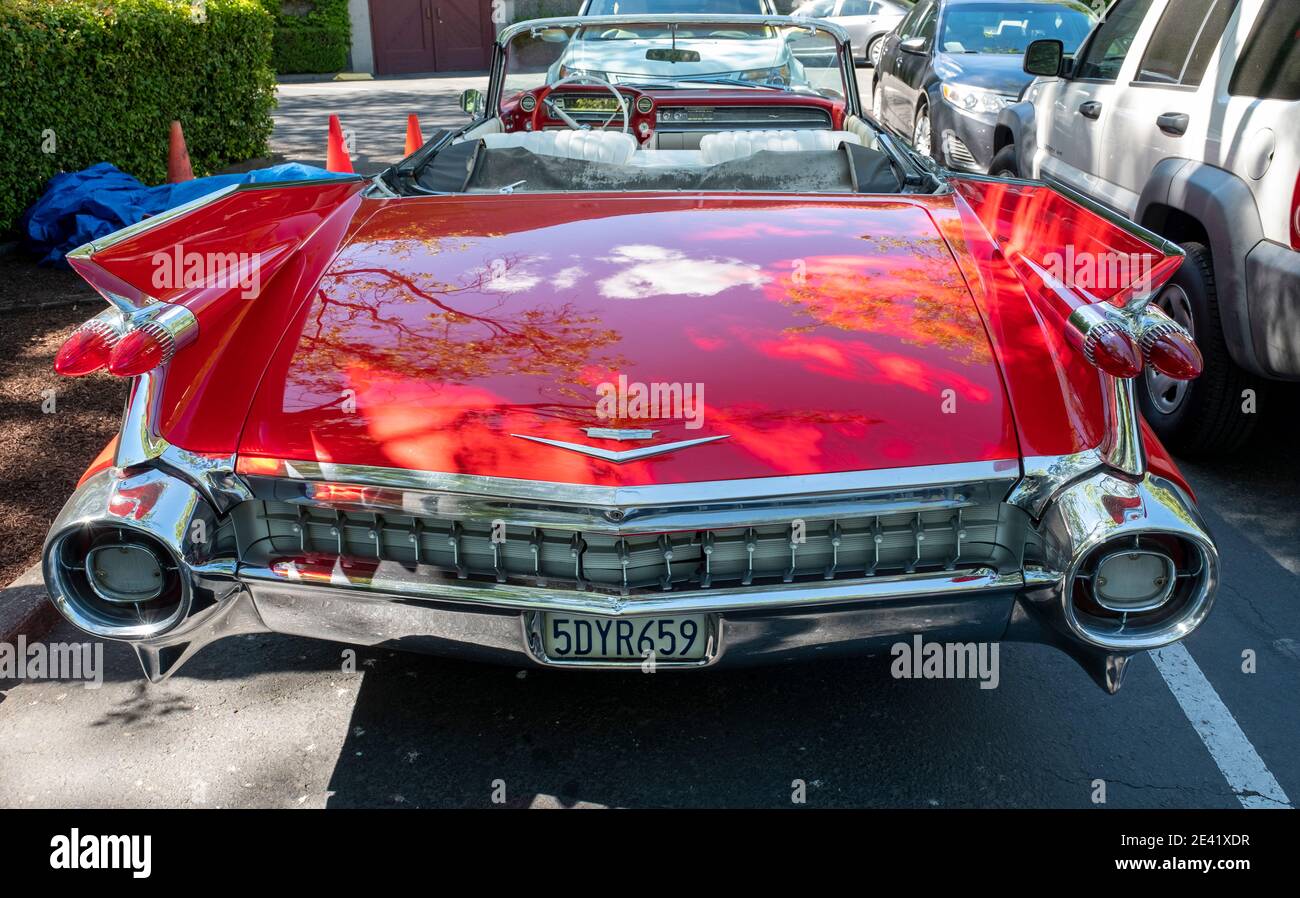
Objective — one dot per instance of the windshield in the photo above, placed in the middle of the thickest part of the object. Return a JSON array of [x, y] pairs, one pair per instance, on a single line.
[[685, 55], [654, 7], [1010, 27]]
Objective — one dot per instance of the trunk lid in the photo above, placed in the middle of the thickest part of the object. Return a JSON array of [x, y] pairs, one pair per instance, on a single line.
[[821, 335]]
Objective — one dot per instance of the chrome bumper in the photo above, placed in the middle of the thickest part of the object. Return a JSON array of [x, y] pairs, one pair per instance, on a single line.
[[498, 622]]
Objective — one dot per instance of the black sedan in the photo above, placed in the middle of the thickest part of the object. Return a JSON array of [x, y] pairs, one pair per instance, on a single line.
[[948, 69]]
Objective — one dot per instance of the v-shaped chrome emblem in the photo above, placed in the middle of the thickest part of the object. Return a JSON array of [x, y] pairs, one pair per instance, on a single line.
[[626, 455]]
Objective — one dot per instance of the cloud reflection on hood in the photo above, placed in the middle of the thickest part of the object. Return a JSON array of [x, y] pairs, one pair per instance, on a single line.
[[659, 271]]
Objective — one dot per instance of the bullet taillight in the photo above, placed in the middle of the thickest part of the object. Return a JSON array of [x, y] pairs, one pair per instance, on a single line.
[[1101, 335], [143, 349], [87, 350], [1113, 350], [1167, 346]]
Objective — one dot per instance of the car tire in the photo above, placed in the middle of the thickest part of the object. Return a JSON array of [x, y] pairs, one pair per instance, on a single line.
[[1005, 163], [874, 49], [923, 132], [1205, 417]]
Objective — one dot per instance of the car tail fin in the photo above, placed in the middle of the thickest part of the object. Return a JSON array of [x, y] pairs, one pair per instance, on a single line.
[[160, 275], [1097, 270]]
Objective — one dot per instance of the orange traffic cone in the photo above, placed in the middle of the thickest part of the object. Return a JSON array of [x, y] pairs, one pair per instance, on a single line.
[[178, 158], [414, 139], [336, 153]]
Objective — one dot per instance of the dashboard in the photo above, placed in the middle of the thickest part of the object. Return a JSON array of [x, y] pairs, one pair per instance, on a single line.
[[672, 119]]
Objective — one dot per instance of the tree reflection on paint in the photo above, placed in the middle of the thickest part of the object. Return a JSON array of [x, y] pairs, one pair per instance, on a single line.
[[419, 326], [906, 288]]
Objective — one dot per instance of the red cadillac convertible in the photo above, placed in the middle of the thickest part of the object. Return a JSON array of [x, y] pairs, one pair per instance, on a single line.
[[671, 357]]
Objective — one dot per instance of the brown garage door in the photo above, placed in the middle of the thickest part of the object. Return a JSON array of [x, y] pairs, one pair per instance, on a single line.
[[430, 35]]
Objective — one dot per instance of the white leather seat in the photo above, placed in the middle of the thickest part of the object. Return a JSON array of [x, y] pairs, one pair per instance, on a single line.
[[725, 146], [613, 147]]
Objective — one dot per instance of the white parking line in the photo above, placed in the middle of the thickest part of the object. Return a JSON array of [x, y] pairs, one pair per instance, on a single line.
[[1241, 765]]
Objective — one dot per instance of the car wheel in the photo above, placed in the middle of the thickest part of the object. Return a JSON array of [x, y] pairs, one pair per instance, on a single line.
[[1005, 164], [1202, 417], [923, 134], [874, 49]]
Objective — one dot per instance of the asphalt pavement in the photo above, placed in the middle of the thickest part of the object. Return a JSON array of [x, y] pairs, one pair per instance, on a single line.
[[273, 721]]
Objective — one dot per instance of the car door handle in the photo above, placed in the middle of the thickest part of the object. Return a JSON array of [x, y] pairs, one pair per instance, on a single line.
[[1091, 109], [1174, 123]]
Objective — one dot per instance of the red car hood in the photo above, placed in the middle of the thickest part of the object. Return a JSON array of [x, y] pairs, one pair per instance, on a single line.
[[832, 335]]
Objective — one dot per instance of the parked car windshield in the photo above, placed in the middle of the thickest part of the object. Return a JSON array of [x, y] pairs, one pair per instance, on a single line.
[[655, 7], [1010, 27], [672, 55]]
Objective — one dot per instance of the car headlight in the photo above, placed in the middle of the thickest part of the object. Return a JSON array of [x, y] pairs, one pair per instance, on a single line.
[[774, 75], [975, 99]]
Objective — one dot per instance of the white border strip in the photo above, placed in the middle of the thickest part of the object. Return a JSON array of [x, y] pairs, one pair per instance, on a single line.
[[1241, 765]]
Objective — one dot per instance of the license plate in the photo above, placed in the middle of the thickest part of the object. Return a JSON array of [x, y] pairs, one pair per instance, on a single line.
[[570, 637]]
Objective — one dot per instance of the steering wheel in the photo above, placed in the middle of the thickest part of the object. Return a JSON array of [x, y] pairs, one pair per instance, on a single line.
[[543, 102]]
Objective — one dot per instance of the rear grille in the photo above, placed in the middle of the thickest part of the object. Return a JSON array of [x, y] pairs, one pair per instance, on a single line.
[[497, 551]]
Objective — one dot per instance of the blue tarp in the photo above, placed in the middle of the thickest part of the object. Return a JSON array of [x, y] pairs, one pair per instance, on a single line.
[[78, 207]]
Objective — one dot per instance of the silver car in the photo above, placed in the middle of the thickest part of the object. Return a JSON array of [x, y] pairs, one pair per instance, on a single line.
[[866, 21]]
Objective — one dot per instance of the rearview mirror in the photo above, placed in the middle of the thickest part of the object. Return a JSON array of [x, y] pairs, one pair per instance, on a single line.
[[1044, 58], [673, 55], [917, 45], [472, 102]]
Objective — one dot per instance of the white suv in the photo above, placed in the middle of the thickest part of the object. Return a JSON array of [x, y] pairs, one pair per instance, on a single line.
[[1184, 115]]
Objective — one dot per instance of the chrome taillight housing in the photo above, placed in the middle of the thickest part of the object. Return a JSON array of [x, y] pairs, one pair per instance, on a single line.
[[127, 345]]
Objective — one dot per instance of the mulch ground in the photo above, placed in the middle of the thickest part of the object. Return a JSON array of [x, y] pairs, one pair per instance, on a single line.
[[42, 454]]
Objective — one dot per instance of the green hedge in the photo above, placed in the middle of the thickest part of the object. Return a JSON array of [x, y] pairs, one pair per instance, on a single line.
[[311, 36], [100, 81], [309, 50]]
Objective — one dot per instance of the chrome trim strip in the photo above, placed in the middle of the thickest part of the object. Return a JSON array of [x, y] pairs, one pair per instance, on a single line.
[[102, 243], [507, 34], [137, 443], [629, 520], [800, 486], [1046, 475], [1123, 447], [99, 244], [781, 597]]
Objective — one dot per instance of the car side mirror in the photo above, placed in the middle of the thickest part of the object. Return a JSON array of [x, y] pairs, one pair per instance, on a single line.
[[915, 45], [472, 102], [1045, 58]]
